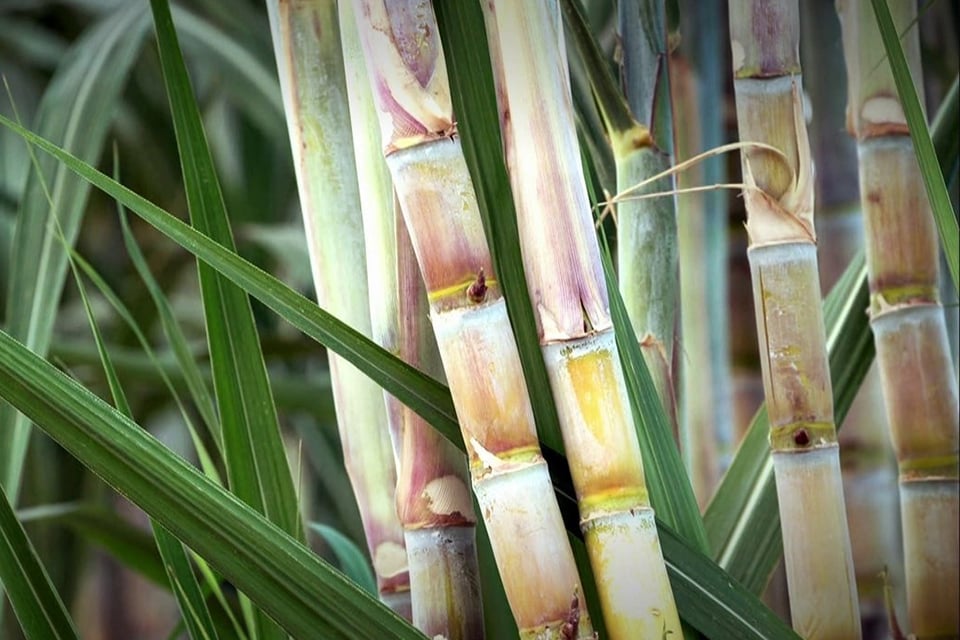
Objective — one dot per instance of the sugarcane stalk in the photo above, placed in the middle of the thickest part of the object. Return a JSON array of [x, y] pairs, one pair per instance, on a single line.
[[479, 355], [565, 280], [307, 46], [433, 495], [647, 255], [783, 264], [866, 459], [919, 387]]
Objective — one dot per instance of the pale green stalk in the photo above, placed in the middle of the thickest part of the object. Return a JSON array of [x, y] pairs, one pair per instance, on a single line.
[[647, 257], [309, 59], [565, 279], [783, 262], [433, 495], [480, 358], [642, 142], [913, 353]]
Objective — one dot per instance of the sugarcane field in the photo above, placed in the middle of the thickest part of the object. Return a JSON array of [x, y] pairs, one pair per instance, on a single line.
[[479, 319]]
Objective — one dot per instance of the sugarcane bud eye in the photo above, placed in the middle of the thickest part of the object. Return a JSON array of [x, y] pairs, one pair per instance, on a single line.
[[801, 437], [477, 291], [568, 631]]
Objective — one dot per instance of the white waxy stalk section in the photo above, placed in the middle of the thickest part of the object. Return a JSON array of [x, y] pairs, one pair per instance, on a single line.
[[307, 45], [813, 482], [779, 198]]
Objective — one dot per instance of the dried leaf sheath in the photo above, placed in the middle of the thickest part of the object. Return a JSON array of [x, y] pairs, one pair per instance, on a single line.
[[796, 380], [564, 276], [317, 116], [480, 358], [919, 384]]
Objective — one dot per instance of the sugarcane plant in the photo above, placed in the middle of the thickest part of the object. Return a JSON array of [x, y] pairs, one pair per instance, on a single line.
[[310, 62], [779, 197], [433, 494], [913, 353], [565, 280]]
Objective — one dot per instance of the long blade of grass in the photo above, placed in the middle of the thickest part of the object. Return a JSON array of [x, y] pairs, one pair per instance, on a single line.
[[296, 588], [257, 466], [76, 111], [670, 490], [293, 392], [922, 141], [710, 601], [35, 601], [256, 463], [188, 367]]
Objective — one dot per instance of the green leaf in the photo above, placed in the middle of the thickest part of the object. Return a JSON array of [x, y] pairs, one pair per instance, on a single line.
[[187, 365], [922, 142], [670, 492], [351, 559], [710, 601], [743, 520], [297, 589], [76, 111], [35, 602], [182, 579], [256, 462]]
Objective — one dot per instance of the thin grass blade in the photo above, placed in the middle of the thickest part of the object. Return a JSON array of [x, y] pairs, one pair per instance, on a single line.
[[192, 375], [35, 601], [183, 582], [256, 463], [76, 111], [423, 394], [297, 589]]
